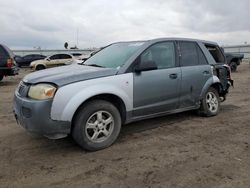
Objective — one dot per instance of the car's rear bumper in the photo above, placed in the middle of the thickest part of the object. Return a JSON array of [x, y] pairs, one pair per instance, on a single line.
[[6, 71], [34, 116]]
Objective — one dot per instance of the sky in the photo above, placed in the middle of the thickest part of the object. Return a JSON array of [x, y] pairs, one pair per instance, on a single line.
[[28, 24]]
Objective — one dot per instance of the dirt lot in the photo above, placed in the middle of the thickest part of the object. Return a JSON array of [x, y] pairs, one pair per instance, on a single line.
[[182, 150]]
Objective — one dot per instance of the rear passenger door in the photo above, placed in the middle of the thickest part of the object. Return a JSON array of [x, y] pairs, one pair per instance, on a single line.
[[157, 90], [65, 59], [195, 72], [54, 60]]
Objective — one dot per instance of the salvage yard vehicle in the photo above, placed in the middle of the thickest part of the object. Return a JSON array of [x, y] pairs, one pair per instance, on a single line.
[[52, 61], [123, 83], [27, 59], [7, 62], [234, 60]]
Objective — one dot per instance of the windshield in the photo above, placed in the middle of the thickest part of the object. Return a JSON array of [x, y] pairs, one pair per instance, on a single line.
[[115, 55]]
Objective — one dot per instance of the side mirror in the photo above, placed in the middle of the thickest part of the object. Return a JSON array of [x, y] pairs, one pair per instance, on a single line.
[[146, 66], [48, 59]]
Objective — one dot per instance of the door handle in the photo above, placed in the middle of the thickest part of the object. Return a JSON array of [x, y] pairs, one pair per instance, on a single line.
[[173, 76]]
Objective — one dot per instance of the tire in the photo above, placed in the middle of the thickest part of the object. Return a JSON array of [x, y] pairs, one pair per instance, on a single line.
[[1, 77], [233, 66], [40, 67], [210, 104], [90, 130]]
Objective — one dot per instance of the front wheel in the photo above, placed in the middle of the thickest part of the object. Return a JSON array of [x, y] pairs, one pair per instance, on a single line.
[[96, 125], [1, 77], [210, 104]]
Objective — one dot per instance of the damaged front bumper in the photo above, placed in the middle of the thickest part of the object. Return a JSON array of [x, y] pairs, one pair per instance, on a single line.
[[34, 116]]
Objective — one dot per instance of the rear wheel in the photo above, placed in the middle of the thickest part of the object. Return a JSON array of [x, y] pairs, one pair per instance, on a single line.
[[97, 125], [210, 104], [40, 67]]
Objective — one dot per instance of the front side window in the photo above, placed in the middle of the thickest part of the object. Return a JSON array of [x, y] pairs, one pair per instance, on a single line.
[[54, 57], [115, 55], [162, 54]]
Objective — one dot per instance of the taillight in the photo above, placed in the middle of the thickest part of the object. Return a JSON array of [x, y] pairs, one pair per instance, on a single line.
[[9, 62]]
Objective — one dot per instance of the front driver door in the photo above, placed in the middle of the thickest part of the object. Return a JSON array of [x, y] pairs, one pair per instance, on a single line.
[[157, 91]]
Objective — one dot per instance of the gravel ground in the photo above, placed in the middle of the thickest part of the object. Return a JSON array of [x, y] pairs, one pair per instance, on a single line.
[[181, 150]]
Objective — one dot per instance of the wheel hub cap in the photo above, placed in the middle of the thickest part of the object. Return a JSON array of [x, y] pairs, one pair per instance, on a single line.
[[99, 126], [212, 102]]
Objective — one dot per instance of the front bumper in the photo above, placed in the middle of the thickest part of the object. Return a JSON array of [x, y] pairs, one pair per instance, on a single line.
[[34, 116]]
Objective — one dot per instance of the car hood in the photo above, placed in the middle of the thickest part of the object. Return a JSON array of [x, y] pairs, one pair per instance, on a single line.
[[68, 74]]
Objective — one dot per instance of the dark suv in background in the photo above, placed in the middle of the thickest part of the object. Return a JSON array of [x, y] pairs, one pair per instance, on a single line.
[[7, 62], [27, 59]]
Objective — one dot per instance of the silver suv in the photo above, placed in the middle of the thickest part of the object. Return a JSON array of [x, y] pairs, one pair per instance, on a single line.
[[122, 83]]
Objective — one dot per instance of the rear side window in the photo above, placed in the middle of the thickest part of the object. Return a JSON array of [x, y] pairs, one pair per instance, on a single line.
[[163, 54], [189, 55], [216, 53]]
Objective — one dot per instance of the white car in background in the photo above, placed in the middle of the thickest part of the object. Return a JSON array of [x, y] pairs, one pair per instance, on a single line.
[[53, 61]]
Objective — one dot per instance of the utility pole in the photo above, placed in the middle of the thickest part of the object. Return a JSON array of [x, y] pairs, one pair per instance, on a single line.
[[77, 30]]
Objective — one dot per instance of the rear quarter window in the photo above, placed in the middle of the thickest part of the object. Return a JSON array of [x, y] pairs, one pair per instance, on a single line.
[[216, 53], [3, 55]]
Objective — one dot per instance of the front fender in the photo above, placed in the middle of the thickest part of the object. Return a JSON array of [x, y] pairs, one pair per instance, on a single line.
[[70, 97]]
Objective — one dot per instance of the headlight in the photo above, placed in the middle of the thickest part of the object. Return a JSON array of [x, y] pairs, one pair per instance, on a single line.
[[42, 91]]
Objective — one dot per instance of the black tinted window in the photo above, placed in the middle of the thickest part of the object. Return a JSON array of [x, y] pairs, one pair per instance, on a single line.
[[55, 57], [65, 56], [3, 52], [202, 58], [28, 57], [189, 56], [216, 53], [163, 54]]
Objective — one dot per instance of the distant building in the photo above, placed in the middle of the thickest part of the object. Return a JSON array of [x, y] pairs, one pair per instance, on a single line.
[[243, 49]]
